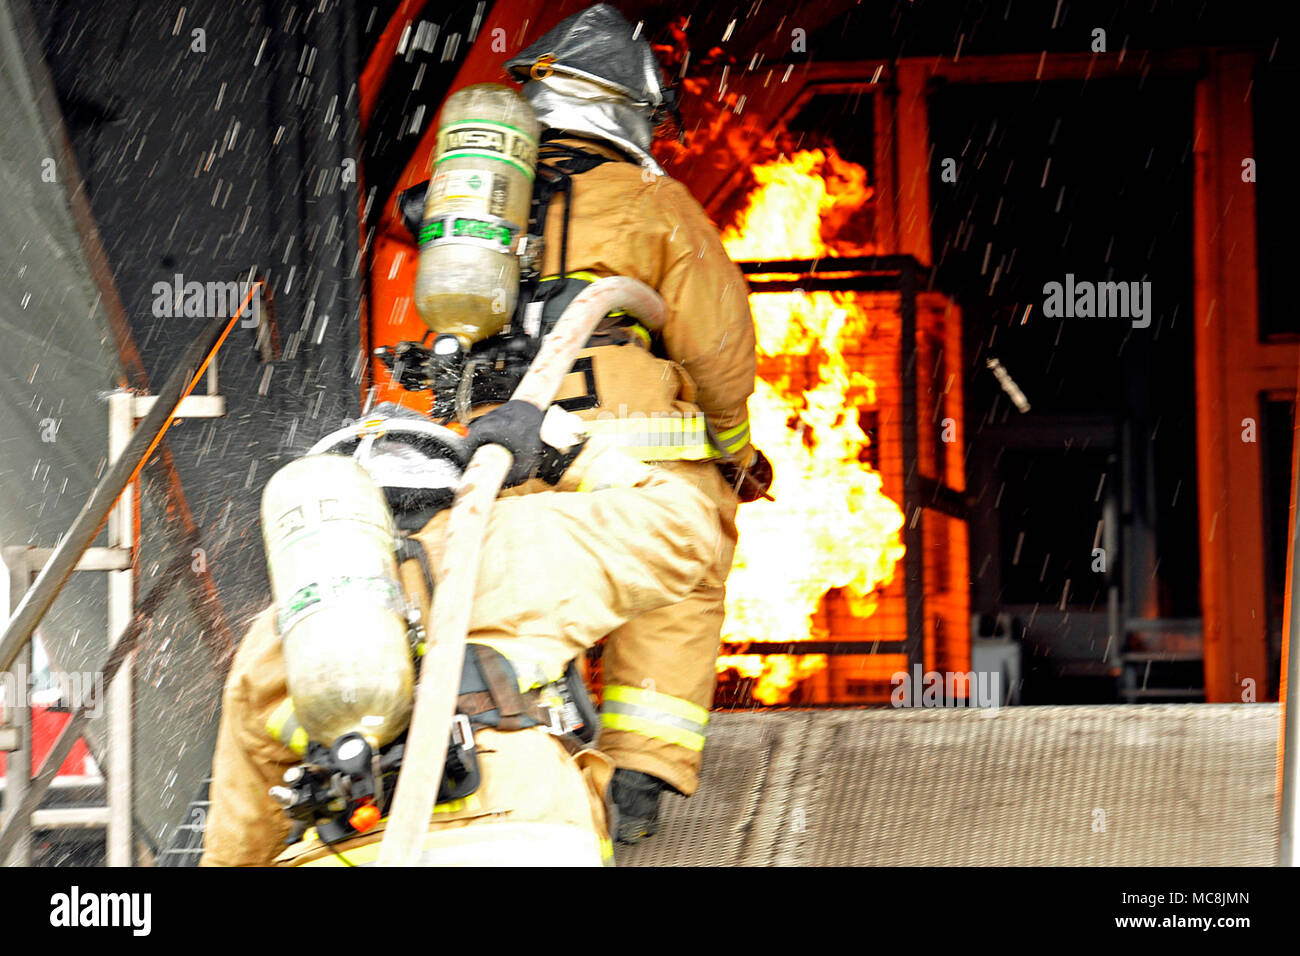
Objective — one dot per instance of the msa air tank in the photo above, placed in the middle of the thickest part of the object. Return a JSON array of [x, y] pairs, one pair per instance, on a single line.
[[484, 162], [339, 610]]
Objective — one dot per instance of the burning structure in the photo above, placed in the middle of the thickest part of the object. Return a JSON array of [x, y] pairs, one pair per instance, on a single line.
[[821, 563], [899, 183]]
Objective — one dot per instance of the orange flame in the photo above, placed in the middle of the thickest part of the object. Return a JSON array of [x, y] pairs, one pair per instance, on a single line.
[[830, 525]]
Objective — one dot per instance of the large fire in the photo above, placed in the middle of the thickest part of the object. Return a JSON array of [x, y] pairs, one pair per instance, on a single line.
[[830, 525]]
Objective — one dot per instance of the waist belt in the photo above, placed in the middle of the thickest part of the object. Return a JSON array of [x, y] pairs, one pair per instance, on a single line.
[[490, 697]]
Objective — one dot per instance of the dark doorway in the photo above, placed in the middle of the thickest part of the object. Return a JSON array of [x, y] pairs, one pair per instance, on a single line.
[[1091, 181]]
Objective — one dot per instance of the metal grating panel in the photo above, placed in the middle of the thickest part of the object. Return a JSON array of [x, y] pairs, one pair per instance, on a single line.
[[1118, 785]]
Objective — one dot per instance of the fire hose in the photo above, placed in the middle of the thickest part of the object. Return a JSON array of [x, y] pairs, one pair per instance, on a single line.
[[435, 695]]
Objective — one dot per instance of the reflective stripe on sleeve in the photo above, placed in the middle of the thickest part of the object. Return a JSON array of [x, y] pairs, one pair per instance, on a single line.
[[734, 439], [651, 714], [283, 727], [671, 437]]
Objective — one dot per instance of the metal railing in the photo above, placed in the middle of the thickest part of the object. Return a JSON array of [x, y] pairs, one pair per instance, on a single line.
[[128, 457]]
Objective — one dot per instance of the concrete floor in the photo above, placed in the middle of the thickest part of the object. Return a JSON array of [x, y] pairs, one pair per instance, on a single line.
[[1114, 785]]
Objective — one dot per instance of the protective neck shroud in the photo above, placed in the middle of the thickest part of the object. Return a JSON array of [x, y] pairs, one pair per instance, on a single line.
[[611, 119]]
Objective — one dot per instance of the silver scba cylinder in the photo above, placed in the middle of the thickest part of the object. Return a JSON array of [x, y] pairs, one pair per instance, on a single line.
[[467, 281], [330, 551]]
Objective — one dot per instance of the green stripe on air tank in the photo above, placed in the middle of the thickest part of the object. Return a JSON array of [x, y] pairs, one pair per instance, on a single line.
[[485, 154]]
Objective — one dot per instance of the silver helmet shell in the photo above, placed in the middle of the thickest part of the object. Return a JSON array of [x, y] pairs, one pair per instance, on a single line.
[[594, 79], [596, 44]]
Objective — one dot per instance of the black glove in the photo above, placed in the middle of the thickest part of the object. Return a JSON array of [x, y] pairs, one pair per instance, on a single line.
[[514, 426], [553, 463], [750, 483]]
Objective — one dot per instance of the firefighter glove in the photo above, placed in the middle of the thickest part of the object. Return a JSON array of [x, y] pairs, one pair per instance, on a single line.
[[518, 427], [749, 482], [515, 426]]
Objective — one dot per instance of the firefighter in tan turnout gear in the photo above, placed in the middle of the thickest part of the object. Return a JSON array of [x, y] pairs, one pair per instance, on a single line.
[[601, 206], [678, 398], [611, 539]]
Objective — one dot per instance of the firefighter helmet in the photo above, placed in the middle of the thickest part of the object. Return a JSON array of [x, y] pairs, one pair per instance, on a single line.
[[598, 45], [593, 77]]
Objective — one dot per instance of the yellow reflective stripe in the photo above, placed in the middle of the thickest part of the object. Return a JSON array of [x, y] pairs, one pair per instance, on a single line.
[[671, 452], [657, 437], [584, 276], [647, 728], [654, 700], [275, 723], [284, 728], [731, 433], [666, 423], [651, 714], [472, 802], [734, 439]]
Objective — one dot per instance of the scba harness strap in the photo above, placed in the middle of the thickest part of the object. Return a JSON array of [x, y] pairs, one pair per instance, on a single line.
[[491, 369], [338, 795], [556, 167], [490, 697], [488, 372]]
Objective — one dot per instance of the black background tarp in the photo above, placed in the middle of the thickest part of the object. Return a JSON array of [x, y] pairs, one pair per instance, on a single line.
[[212, 138]]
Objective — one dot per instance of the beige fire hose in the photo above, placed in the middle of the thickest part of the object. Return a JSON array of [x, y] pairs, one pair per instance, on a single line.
[[435, 697]]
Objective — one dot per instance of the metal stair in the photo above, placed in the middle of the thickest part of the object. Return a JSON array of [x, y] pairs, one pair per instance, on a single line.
[[1162, 661], [114, 816]]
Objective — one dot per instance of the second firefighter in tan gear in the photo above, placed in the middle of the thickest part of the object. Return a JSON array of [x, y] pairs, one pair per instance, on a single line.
[[676, 395], [680, 399], [658, 669], [559, 570]]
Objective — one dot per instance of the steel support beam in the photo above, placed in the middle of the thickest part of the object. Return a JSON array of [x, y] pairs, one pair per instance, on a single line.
[[121, 599], [913, 518]]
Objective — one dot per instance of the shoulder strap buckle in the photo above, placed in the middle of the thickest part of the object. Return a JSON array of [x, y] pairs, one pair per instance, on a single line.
[[462, 732]]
